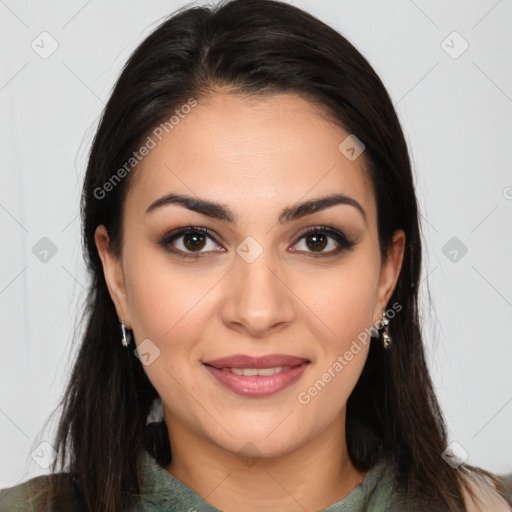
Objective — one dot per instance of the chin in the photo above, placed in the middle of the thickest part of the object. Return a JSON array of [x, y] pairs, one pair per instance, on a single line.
[[256, 446]]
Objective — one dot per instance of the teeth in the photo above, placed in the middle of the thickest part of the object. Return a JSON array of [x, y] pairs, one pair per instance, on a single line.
[[257, 371]]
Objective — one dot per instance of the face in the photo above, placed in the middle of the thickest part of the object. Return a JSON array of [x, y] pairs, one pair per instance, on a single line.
[[252, 275]]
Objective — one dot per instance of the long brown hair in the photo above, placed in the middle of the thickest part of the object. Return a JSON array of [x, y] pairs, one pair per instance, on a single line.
[[255, 47]]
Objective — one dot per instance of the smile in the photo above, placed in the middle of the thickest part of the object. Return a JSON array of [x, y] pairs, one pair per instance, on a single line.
[[256, 371], [258, 382]]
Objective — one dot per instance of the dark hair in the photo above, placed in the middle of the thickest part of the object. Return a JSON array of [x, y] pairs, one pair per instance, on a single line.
[[257, 47]]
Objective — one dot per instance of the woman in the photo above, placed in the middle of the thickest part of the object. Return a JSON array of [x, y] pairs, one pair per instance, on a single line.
[[252, 234]]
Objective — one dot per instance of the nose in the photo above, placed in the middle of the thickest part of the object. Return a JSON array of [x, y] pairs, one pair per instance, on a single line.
[[258, 300]]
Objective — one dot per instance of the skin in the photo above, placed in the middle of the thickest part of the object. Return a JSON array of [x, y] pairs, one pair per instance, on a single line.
[[256, 156]]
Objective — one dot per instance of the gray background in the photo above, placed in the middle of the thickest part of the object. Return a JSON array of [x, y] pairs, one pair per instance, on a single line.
[[456, 110]]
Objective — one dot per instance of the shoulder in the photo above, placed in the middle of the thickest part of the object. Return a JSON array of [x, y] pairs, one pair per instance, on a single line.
[[23, 496], [486, 499], [505, 486], [32, 495]]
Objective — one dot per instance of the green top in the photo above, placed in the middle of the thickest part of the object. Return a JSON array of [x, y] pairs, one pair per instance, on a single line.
[[165, 493], [161, 492]]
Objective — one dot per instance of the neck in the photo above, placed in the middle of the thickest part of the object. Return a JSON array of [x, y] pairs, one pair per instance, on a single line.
[[310, 477]]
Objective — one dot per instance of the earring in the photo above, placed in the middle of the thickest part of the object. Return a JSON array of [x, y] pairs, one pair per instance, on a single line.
[[386, 338], [124, 338]]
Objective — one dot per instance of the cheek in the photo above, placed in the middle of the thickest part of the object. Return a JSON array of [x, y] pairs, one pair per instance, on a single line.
[[170, 308], [343, 302], [345, 305], [324, 396], [162, 299]]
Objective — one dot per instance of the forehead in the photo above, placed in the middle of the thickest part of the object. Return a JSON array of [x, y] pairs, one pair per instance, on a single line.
[[251, 151]]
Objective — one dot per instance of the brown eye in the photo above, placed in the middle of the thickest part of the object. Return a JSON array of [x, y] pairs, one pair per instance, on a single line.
[[194, 241], [191, 241], [317, 242], [322, 241]]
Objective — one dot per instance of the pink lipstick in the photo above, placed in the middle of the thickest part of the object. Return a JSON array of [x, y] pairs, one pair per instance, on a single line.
[[257, 376]]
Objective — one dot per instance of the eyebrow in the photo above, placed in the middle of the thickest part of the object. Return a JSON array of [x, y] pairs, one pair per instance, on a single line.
[[224, 213]]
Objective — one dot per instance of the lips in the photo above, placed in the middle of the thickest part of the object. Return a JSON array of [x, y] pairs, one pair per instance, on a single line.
[[246, 361], [257, 377], [257, 386]]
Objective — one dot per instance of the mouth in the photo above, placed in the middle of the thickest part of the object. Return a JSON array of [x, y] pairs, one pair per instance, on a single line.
[[257, 376]]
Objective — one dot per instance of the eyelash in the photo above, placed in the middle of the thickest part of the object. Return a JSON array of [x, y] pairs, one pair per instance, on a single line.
[[343, 242]]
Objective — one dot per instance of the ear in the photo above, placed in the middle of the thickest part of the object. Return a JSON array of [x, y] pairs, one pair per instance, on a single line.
[[113, 271], [390, 270]]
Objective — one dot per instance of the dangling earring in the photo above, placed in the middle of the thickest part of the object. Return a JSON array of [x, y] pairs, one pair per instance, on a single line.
[[124, 338], [386, 338]]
